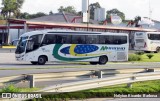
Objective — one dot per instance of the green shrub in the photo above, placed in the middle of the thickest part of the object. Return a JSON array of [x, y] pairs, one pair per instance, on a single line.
[[139, 53], [10, 89], [149, 56], [134, 57], [1, 17]]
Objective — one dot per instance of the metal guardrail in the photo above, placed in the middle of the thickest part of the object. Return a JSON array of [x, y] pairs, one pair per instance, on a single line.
[[121, 76], [32, 78], [12, 79], [90, 84]]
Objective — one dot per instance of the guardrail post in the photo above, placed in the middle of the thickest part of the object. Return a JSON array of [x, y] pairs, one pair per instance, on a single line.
[[129, 85], [99, 74], [31, 79]]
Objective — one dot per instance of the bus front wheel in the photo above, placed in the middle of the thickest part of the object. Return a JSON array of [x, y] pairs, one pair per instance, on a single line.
[[42, 60], [157, 49], [103, 60]]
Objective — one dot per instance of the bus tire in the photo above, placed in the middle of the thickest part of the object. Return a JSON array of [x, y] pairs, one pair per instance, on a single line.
[[157, 49], [42, 60], [34, 63], [93, 63], [103, 60]]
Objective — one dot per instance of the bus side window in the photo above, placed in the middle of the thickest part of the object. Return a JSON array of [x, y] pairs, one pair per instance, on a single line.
[[102, 39], [92, 39], [107, 40], [124, 40], [66, 39], [48, 39], [158, 36], [78, 39], [35, 42], [59, 39], [120, 39]]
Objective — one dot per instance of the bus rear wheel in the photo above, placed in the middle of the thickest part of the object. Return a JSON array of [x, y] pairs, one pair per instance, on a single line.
[[34, 63], [42, 60], [157, 49], [103, 60]]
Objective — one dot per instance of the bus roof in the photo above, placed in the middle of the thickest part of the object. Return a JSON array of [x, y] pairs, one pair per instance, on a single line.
[[149, 32], [69, 32]]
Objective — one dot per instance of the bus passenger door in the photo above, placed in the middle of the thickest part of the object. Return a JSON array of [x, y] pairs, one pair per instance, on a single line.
[[29, 51]]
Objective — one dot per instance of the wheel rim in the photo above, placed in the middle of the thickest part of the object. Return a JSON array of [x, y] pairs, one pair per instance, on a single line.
[[41, 60], [103, 60]]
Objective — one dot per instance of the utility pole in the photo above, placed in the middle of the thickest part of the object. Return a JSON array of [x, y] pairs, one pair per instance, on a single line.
[[88, 16], [150, 11]]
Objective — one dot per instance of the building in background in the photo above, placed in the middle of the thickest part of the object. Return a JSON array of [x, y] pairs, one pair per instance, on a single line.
[[100, 14], [63, 21]]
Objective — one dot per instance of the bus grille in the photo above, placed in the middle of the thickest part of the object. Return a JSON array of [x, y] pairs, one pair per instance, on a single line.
[[121, 56]]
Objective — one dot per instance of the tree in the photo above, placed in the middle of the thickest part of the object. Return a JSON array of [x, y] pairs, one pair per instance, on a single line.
[[92, 8], [24, 15], [1, 17], [79, 13], [68, 9], [61, 9], [50, 13], [19, 4], [11, 6], [4, 13], [116, 12], [136, 20], [39, 14]]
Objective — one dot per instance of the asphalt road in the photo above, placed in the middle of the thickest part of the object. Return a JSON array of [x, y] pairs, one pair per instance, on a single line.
[[10, 67], [29, 69], [2, 50]]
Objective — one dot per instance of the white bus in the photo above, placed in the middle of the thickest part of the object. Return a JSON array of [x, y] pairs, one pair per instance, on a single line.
[[147, 41], [38, 47]]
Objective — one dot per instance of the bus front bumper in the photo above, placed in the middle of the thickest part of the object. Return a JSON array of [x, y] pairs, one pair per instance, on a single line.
[[19, 57]]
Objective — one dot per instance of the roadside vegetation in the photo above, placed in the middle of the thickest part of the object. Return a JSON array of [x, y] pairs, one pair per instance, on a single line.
[[147, 87], [12, 89], [144, 57]]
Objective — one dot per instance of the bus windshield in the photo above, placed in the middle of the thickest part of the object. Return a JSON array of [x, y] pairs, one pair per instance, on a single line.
[[21, 45]]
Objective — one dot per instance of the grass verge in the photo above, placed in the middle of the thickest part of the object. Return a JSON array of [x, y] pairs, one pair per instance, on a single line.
[[12, 89], [144, 58], [147, 87]]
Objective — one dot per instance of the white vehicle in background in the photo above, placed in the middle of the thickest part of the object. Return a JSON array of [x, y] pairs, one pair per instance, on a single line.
[[147, 41], [38, 47]]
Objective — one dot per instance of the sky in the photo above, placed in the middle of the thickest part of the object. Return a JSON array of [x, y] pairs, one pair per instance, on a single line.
[[130, 8]]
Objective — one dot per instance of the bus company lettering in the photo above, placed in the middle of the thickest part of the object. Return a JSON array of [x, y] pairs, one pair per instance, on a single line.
[[103, 48]]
